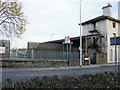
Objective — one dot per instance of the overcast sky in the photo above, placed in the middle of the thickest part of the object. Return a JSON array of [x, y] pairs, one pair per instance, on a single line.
[[54, 19]]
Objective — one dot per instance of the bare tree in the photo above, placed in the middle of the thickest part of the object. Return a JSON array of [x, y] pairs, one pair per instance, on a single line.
[[12, 19]]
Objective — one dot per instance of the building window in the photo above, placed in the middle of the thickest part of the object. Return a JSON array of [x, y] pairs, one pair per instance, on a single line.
[[114, 24], [3, 45]]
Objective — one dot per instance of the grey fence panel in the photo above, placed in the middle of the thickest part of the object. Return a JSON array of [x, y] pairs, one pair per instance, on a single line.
[[49, 55], [55, 55], [45, 55]]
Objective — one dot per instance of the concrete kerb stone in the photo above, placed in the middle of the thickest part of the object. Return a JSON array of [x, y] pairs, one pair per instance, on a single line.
[[60, 68]]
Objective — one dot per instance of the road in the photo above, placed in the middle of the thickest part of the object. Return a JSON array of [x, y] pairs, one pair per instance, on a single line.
[[18, 75]]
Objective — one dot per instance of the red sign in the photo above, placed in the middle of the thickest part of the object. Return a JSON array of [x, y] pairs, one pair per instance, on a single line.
[[67, 39]]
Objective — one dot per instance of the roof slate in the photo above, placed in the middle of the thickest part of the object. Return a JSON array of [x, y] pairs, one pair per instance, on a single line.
[[100, 18]]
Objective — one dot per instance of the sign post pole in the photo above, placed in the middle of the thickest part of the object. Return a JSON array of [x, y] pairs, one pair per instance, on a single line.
[[67, 41], [116, 54], [67, 54], [115, 41]]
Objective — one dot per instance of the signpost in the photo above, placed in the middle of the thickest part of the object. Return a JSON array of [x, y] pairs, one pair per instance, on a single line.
[[67, 41], [115, 41]]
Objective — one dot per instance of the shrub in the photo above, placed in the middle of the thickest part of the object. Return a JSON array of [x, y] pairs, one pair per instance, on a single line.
[[100, 80]]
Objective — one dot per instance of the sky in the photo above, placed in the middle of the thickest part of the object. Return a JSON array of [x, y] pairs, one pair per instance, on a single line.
[[55, 19]]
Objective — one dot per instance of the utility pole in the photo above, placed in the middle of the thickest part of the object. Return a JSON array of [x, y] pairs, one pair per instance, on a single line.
[[116, 68], [80, 37]]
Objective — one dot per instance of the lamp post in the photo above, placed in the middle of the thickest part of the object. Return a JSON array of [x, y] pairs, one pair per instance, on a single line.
[[80, 36]]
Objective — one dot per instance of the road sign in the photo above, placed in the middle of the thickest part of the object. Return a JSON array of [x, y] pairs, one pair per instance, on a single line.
[[115, 41], [67, 39]]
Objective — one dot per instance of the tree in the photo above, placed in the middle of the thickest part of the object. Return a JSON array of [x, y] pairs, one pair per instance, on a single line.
[[12, 19]]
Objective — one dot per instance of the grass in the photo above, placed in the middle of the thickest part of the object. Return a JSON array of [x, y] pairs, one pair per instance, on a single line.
[[100, 80]]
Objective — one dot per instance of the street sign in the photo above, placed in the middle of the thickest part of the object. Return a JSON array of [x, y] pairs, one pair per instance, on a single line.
[[2, 50], [67, 39], [115, 41]]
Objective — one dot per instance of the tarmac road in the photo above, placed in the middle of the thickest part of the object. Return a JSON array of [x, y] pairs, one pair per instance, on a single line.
[[22, 74]]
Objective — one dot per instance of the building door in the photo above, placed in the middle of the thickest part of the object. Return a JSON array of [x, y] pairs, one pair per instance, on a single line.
[[93, 58]]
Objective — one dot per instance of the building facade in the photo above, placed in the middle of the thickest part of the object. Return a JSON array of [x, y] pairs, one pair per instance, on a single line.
[[100, 30], [5, 44]]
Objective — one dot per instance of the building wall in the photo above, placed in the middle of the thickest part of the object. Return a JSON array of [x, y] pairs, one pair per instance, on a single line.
[[6, 44], [110, 31], [101, 26], [105, 27], [43, 47]]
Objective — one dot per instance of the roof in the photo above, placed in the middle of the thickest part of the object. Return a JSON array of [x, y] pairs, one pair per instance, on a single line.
[[101, 18], [62, 40], [107, 6]]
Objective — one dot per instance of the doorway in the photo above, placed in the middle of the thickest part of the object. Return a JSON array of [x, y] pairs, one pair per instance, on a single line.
[[93, 58]]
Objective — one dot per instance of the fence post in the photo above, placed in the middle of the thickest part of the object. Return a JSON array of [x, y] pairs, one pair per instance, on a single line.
[[32, 54]]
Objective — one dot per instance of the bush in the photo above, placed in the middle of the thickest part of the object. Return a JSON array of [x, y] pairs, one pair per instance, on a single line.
[[100, 80]]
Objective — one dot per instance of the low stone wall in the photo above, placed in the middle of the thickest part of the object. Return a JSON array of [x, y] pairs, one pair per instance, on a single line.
[[32, 64], [28, 63], [101, 58], [74, 62], [37, 64]]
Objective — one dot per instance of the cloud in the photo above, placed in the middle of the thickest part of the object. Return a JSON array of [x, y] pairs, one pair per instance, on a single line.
[[101, 0]]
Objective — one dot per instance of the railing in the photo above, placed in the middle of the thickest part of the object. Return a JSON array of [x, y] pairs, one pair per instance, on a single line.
[[46, 55]]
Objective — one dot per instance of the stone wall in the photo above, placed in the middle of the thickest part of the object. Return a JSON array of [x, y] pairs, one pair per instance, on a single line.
[[38, 64], [102, 58], [32, 64]]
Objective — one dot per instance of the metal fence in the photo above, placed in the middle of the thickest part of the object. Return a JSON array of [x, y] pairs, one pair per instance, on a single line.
[[54, 55], [46, 55]]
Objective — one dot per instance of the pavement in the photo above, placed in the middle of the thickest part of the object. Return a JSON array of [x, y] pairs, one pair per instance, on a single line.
[[55, 68]]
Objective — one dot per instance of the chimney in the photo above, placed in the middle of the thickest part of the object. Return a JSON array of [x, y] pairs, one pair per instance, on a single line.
[[107, 10], [119, 10]]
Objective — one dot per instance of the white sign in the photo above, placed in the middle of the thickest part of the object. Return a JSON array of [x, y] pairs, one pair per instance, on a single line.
[[86, 58], [2, 49], [67, 39]]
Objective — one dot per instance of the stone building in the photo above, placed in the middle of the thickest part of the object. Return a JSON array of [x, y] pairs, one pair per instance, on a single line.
[[97, 32]]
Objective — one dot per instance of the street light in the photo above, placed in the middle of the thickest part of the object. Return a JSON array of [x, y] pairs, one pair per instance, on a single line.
[[80, 36], [114, 34]]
